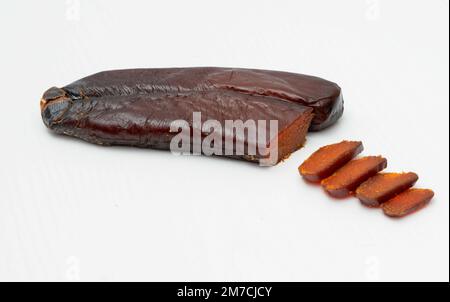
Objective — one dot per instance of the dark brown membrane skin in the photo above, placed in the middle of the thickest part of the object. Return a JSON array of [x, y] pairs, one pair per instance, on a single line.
[[144, 120], [323, 96]]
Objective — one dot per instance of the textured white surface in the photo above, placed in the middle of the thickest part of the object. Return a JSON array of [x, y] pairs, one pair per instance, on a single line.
[[74, 211]]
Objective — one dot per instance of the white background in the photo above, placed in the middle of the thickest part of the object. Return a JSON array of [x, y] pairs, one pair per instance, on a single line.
[[74, 211]]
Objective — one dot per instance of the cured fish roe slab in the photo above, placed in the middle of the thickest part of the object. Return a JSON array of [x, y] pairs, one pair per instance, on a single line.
[[111, 117], [407, 202], [383, 187], [345, 180], [328, 159], [323, 96]]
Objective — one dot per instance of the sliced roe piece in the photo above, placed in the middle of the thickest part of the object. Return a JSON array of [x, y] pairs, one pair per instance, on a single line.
[[383, 186], [407, 202], [345, 180], [326, 160]]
